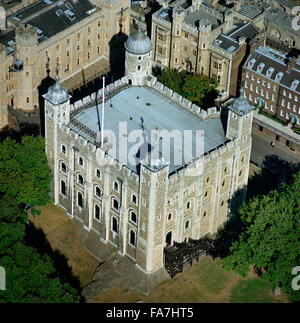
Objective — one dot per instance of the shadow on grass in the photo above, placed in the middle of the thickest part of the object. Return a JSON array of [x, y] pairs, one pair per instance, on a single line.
[[36, 238]]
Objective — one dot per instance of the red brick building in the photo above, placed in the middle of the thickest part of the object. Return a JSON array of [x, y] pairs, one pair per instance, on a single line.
[[271, 81]]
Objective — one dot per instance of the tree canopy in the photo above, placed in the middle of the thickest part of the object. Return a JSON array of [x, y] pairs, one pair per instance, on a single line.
[[30, 276], [25, 179], [197, 88], [271, 237], [24, 171]]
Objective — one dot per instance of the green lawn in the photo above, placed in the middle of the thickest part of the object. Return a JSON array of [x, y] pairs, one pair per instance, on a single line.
[[252, 291], [205, 282]]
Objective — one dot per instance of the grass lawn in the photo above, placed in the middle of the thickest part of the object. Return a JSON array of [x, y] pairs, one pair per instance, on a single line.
[[252, 291], [205, 281], [61, 233]]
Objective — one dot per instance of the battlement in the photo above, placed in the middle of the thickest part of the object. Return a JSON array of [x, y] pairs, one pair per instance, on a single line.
[[221, 51], [25, 30], [26, 35]]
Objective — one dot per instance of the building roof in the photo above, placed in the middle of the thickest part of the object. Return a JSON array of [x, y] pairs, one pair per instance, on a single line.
[[241, 106], [146, 110], [250, 11], [57, 94], [139, 43], [230, 40], [52, 18], [282, 19], [247, 30], [194, 18], [263, 59]]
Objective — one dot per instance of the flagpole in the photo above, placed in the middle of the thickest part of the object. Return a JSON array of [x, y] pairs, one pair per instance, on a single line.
[[102, 119]]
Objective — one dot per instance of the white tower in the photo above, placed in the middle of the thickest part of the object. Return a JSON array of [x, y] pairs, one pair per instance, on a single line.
[[138, 57]]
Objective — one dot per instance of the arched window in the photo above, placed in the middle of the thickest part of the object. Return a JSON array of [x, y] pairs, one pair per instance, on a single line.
[[80, 161], [63, 149], [134, 199], [63, 167], [98, 173], [63, 188], [170, 216], [133, 216], [97, 212], [140, 58], [80, 179], [115, 204], [187, 224], [116, 186], [98, 191], [79, 199], [139, 67], [132, 237], [188, 205], [114, 225]]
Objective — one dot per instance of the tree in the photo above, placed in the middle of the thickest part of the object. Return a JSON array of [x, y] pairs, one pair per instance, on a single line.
[[30, 277], [271, 238], [24, 171], [199, 89]]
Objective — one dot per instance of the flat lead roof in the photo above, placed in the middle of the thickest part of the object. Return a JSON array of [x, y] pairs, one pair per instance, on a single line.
[[58, 17], [146, 109]]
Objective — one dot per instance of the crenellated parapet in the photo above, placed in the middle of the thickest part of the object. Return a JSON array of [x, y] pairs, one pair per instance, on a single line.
[[26, 35]]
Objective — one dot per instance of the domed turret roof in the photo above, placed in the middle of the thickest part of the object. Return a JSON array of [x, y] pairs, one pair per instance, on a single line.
[[138, 43], [57, 94], [240, 105]]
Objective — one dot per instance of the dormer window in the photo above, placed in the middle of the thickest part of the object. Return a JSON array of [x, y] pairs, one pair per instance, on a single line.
[[279, 76], [270, 71], [251, 63], [260, 67], [295, 84]]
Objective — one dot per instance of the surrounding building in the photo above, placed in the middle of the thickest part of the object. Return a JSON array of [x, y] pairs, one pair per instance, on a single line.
[[203, 40], [135, 203], [271, 81], [279, 29], [82, 39]]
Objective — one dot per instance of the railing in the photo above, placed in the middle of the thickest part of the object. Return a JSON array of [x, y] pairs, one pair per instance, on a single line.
[[181, 254], [98, 99]]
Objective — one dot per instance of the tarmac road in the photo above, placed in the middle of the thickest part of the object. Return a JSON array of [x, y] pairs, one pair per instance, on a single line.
[[261, 147]]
